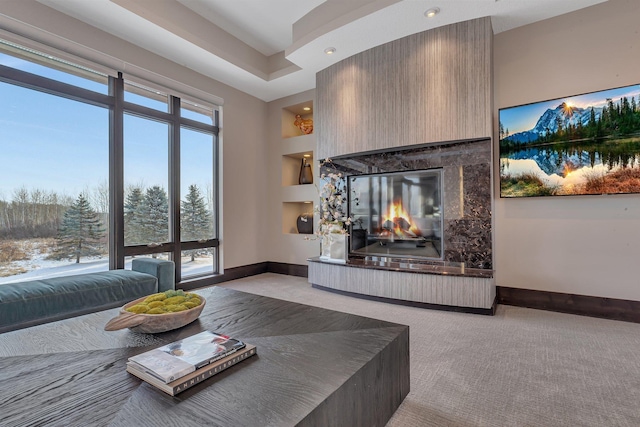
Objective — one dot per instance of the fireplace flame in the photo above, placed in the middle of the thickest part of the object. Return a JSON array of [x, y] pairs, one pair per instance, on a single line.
[[398, 223]]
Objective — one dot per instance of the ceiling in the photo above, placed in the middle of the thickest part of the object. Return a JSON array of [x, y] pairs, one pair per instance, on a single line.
[[274, 48]]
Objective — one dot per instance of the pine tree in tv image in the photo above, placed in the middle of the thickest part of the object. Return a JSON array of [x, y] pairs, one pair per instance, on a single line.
[[583, 144]]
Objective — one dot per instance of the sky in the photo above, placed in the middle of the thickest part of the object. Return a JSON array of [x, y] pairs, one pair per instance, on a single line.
[[524, 117], [55, 144]]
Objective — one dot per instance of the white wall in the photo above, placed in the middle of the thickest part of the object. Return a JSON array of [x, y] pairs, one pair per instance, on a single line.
[[245, 191], [245, 198], [587, 245]]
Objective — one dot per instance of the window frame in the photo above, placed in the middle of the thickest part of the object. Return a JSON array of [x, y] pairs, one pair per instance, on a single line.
[[118, 107]]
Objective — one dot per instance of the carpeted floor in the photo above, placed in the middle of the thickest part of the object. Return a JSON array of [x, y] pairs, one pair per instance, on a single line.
[[521, 367]]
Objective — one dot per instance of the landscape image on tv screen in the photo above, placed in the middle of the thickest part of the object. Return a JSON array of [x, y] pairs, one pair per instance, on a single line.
[[583, 144]]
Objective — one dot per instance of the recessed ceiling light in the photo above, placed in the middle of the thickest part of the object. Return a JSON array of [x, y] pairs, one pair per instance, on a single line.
[[306, 155], [307, 108], [330, 50], [432, 12]]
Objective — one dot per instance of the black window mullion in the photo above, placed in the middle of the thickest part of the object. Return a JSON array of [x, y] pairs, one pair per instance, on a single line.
[[146, 112], [200, 244], [149, 250], [53, 87], [116, 174], [198, 126], [174, 184], [215, 189]]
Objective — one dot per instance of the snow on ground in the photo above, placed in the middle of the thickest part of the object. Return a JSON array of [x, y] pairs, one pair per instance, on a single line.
[[39, 267]]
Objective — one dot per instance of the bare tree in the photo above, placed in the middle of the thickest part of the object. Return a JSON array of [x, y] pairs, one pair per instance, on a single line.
[[100, 201]]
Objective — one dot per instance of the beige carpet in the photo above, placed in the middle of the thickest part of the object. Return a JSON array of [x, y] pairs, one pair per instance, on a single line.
[[521, 367]]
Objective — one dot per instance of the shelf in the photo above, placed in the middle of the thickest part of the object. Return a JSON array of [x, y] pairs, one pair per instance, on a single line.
[[290, 213], [300, 193], [298, 144], [289, 128]]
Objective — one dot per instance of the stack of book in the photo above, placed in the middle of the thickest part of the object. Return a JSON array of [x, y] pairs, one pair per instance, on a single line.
[[182, 364]]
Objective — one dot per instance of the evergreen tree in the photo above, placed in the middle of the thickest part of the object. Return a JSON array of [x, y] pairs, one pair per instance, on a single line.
[[625, 108], [132, 217], [591, 126], [80, 232], [195, 218], [569, 132], [604, 122], [579, 130], [560, 131], [613, 116], [154, 216]]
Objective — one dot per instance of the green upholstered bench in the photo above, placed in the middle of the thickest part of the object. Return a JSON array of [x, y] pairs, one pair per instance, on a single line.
[[24, 304]]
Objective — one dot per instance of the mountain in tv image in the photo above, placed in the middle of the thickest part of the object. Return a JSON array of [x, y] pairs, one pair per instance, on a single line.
[[586, 144], [563, 115]]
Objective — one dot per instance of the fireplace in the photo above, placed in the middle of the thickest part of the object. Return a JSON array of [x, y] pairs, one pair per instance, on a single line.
[[421, 228], [420, 207], [397, 214]]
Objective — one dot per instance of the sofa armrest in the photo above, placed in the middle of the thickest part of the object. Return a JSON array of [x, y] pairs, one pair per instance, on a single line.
[[164, 271]]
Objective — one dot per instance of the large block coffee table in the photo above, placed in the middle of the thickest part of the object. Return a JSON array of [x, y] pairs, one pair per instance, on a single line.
[[314, 367]]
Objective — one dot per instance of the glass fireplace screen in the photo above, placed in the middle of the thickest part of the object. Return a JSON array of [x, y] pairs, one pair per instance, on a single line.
[[397, 214]]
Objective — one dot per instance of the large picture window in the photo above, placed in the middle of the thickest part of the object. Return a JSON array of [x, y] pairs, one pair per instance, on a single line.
[[97, 170]]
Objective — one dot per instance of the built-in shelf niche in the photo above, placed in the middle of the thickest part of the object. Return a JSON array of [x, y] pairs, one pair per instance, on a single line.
[[295, 145], [289, 128], [291, 164], [290, 213]]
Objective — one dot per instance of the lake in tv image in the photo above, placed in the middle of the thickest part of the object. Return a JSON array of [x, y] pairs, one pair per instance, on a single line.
[[583, 144]]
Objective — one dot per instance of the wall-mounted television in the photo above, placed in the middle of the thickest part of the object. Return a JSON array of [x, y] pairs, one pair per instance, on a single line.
[[577, 145]]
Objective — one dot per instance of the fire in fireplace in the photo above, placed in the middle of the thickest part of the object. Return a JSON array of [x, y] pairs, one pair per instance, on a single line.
[[397, 214]]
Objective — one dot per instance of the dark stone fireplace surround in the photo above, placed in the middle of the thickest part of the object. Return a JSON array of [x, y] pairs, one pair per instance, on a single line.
[[466, 169]]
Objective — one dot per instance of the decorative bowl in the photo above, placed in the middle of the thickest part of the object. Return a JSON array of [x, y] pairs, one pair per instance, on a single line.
[[153, 323]]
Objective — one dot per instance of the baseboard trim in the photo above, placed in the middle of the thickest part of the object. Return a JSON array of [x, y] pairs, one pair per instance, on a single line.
[[229, 274], [247, 271], [472, 310], [606, 308], [288, 269]]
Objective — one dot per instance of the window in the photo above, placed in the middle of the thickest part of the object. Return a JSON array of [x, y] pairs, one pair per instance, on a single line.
[[54, 196], [40, 64], [96, 169], [146, 180], [144, 96], [197, 206]]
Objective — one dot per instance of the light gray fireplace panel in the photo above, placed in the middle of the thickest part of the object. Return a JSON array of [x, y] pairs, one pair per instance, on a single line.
[[459, 291]]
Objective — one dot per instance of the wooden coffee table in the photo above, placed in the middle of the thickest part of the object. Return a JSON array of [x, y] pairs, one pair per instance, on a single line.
[[314, 367]]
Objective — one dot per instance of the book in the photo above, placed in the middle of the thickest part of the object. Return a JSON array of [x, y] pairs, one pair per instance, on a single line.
[[179, 358], [174, 387]]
